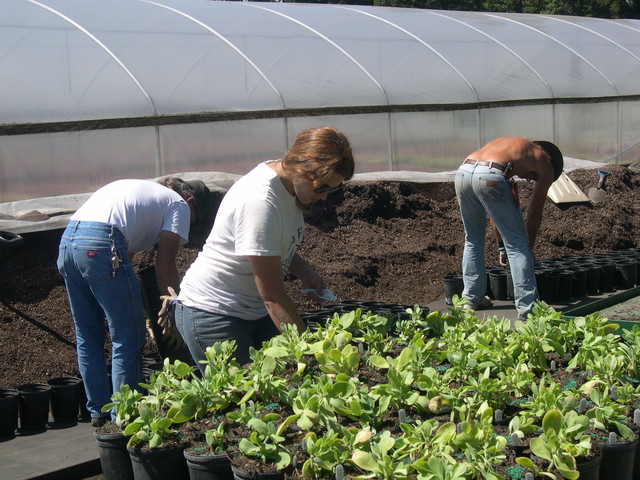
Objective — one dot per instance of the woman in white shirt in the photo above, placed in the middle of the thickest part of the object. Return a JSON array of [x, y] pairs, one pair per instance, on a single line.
[[235, 288]]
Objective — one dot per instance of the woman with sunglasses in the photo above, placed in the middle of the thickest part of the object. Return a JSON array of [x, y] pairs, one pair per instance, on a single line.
[[235, 289]]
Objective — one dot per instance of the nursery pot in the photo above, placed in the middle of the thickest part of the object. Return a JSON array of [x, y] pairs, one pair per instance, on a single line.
[[453, 285], [607, 274], [547, 283], [9, 399], [34, 406], [626, 274], [242, 475], [579, 282], [65, 399], [565, 284], [593, 278], [208, 467], [114, 457], [590, 469], [159, 463], [617, 461], [498, 283]]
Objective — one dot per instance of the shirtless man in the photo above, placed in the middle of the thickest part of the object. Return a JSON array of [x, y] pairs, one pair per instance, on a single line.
[[483, 187]]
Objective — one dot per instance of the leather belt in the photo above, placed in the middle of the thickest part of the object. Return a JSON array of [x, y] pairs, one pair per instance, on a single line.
[[499, 166]]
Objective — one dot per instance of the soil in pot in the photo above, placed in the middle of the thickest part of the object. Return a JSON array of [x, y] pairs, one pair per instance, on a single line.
[[239, 474]]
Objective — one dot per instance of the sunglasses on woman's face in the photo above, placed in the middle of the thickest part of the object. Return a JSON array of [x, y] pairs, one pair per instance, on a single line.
[[326, 189]]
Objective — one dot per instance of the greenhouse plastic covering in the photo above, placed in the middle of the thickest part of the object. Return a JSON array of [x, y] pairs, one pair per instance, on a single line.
[[95, 90]]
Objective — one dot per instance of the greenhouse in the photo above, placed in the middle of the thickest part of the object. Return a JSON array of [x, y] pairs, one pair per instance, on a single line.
[[94, 90]]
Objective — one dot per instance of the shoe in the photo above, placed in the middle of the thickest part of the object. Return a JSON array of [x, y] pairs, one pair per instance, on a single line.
[[522, 318], [98, 421], [484, 304]]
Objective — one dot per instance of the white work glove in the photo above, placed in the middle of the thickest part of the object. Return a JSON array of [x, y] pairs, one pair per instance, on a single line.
[[166, 320], [165, 315], [503, 260]]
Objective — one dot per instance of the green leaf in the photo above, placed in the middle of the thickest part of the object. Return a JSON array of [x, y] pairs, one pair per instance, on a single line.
[[276, 352], [552, 420], [378, 361], [364, 460]]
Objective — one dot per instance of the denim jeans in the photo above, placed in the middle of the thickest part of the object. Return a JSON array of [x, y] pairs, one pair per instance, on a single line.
[[201, 329], [98, 288], [483, 190]]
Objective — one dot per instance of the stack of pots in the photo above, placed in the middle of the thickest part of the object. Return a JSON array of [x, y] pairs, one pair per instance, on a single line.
[[562, 279], [588, 274]]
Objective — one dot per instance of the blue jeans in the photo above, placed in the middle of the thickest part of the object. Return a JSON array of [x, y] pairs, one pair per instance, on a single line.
[[98, 288], [201, 329], [483, 190]]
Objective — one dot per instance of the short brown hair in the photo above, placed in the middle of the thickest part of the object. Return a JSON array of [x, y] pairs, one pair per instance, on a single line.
[[318, 153], [177, 185]]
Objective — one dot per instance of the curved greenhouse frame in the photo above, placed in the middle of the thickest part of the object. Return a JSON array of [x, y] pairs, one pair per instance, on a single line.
[[95, 90]]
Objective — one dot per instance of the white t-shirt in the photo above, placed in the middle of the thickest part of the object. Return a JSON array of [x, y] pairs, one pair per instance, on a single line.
[[140, 209], [257, 217]]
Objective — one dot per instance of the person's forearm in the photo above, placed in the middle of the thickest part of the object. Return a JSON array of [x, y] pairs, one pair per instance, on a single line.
[[299, 267], [533, 225], [167, 276], [283, 310]]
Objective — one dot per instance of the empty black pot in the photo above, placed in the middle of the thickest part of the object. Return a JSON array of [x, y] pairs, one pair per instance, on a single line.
[[579, 282], [65, 399], [453, 285], [565, 285], [34, 406], [498, 282], [607, 274], [9, 400], [593, 278], [626, 273]]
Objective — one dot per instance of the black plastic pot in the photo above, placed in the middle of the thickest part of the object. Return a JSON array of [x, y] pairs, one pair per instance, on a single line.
[[9, 400], [242, 475], [65, 399], [114, 457], [590, 469], [34, 406], [626, 274], [159, 463], [565, 285], [453, 285], [208, 467], [607, 274], [618, 461], [579, 282], [498, 283], [547, 282], [593, 278]]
